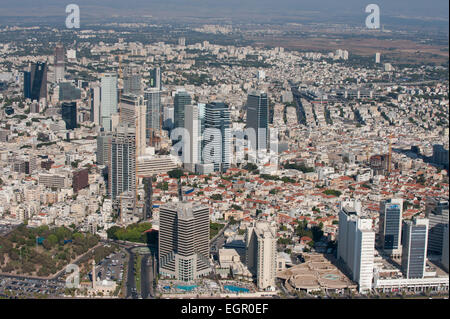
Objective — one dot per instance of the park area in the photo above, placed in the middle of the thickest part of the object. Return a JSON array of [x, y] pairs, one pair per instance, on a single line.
[[42, 251]]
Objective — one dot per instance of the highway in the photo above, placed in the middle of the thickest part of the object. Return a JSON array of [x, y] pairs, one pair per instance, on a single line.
[[148, 275]]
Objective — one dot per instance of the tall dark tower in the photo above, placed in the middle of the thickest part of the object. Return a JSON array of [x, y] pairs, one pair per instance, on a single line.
[[69, 114], [258, 118], [35, 81]]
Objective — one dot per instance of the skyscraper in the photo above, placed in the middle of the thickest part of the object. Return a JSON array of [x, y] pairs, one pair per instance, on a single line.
[[68, 92], [35, 81], [217, 143], [94, 96], [258, 118], [356, 245], [69, 114], [414, 252], [261, 253], [108, 99], [181, 99], [104, 148], [153, 113], [26, 84], [184, 241], [59, 63], [437, 214], [390, 226], [133, 108], [132, 81], [122, 168], [444, 258], [155, 78], [192, 151]]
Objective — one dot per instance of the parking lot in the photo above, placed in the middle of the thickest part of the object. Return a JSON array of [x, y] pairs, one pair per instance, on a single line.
[[111, 268], [23, 287]]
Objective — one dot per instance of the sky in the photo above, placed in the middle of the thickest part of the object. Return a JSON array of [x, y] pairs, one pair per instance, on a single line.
[[229, 8]]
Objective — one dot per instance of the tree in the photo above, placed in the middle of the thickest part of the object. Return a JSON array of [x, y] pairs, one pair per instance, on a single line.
[[176, 173], [216, 197]]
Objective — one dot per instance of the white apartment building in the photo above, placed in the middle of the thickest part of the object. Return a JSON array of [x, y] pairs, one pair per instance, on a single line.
[[261, 253], [356, 246]]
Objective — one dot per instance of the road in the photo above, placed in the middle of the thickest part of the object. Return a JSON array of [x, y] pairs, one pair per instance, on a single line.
[[131, 284], [148, 274]]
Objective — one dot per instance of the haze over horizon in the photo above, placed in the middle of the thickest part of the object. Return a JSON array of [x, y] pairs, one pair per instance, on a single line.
[[322, 9]]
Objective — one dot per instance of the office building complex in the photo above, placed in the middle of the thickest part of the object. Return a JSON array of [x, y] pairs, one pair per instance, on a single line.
[[108, 100], [390, 226], [261, 253], [356, 245], [414, 254], [35, 82], [122, 163], [69, 114], [437, 214], [184, 241], [258, 119]]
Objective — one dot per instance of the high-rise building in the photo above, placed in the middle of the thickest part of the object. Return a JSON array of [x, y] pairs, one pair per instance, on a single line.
[[35, 82], [69, 114], [153, 113], [168, 119], [132, 81], [155, 78], [59, 63], [258, 118], [27, 84], [437, 214], [181, 99], [440, 155], [133, 109], [192, 150], [377, 57], [108, 99], [444, 258], [68, 92], [414, 254], [217, 136], [94, 96], [122, 168], [390, 226], [104, 148], [184, 241], [261, 253], [356, 245]]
